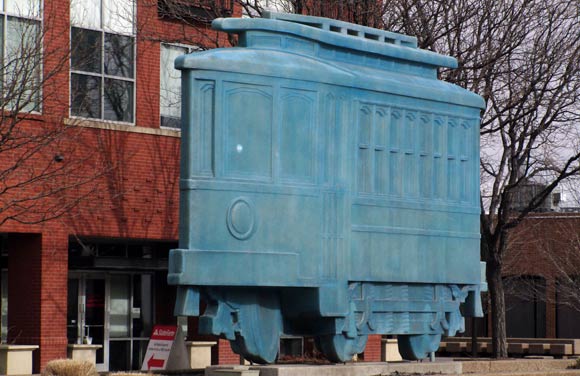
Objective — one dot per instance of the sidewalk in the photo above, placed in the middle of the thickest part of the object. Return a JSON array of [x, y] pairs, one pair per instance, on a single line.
[[443, 366]]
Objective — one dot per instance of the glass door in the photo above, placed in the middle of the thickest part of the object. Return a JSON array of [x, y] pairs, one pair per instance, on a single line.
[[93, 325], [130, 320], [86, 319], [119, 322], [141, 317], [114, 310]]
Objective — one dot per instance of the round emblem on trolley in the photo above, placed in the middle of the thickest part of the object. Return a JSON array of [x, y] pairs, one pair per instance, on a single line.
[[241, 218]]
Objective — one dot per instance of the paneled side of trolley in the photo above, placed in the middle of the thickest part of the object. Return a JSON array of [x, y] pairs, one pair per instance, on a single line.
[[260, 207], [329, 187], [415, 201]]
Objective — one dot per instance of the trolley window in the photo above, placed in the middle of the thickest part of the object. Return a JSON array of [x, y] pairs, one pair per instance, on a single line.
[[248, 131], [297, 135]]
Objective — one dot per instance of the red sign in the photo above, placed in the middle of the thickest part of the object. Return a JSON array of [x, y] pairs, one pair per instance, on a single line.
[[155, 363], [164, 333], [159, 347]]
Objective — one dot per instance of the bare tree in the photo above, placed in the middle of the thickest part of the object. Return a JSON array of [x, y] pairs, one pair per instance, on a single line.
[[362, 12], [46, 167], [193, 15], [526, 66], [198, 14]]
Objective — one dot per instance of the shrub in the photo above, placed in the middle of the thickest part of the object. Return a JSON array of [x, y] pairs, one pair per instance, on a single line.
[[69, 367]]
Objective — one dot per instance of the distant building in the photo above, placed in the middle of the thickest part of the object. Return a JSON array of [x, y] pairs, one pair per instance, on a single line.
[[525, 192], [541, 278]]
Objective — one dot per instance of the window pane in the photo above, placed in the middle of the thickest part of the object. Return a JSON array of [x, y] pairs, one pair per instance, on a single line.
[[118, 100], [85, 96], [119, 16], [119, 55], [4, 305], [24, 8], [119, 311], [86, 50], [170, 122], [139, 351], [143, 300], [22, 37], [170, 86], [22, 64], [86, 13], [119, 355]]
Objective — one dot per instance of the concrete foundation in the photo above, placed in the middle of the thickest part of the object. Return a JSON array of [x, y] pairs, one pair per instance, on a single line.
[[353, 369], [232, 371]]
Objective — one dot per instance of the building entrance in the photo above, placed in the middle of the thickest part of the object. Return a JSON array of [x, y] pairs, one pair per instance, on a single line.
[[114, 310]]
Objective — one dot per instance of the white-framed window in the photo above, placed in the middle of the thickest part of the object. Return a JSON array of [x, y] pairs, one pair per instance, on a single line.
[[103, 60], [20, 55], [170, 84]]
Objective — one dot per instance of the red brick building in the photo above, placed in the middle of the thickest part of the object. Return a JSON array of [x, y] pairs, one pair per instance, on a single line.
[[84, 249], [97, 270], [542, 277]]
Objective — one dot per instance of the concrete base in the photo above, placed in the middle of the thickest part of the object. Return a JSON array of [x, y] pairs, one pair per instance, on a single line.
[[16, 359], [199, 353], [352, 369], [517, 365], [83, 352], [390, 351], [232, 371]]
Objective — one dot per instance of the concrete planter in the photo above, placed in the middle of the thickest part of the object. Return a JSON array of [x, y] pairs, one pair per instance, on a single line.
[[199, 353], [390, 351], [16, 359], [83, 352]]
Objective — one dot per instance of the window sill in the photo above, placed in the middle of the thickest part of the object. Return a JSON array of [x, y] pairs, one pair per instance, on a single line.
[[122, 128]]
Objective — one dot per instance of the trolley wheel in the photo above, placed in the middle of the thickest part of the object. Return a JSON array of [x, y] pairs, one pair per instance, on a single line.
[[418, 346], [260, 322], [338, 348]]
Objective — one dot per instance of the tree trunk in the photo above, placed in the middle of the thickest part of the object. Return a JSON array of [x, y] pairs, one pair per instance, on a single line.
[[499, 337]]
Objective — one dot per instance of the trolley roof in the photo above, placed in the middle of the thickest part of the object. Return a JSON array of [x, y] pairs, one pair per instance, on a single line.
[[364, 40], [327, 51]]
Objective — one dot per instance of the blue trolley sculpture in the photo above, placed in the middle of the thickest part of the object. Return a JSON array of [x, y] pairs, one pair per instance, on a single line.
[[329, 187]]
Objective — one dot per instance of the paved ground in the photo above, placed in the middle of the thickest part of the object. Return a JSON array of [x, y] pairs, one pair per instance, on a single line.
[[443, 366], [480, 367]]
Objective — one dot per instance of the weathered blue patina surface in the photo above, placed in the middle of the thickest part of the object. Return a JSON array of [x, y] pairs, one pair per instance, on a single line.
[[329, 187]]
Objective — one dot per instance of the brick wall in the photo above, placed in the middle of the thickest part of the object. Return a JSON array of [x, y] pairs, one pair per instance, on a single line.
[[132, 189], [545, 245], [223, 353], [37, 281], [24, 308], [53, 299], [372, 351]]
